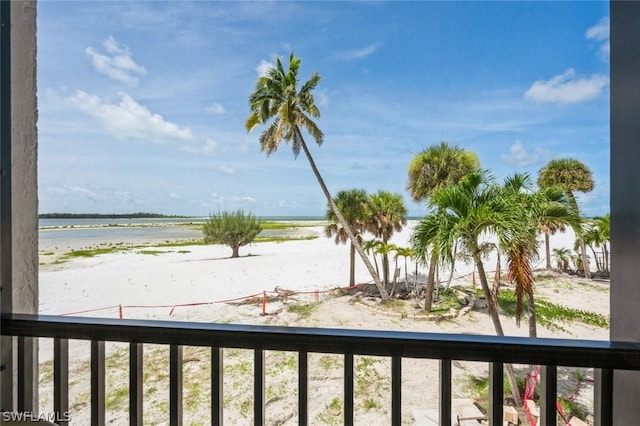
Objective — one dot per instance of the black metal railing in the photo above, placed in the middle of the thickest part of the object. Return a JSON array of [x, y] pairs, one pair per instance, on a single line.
[[604, 356]]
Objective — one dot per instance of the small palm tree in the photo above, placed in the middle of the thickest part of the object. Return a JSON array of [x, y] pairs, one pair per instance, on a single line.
[[571, 176], [598, 234], [276, 97], [353, 204], [550, 228], [563, 258], [371, 247], [406, 253], [388, 214]]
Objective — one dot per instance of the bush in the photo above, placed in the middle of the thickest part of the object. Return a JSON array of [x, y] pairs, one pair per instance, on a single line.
[[234, 229]]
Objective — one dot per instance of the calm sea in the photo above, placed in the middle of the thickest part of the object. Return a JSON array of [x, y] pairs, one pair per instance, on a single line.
[[80, 233]]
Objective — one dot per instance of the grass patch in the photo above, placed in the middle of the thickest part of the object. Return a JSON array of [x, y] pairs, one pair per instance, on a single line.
[[91, 252], [152, 252], [551, 315], [304, 310], [117, 400], [277, 226], [368, 381], [180, 243], [282, 238]]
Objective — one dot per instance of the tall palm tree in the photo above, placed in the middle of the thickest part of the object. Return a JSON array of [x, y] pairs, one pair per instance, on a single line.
[[465, 213], [572, 176], [387, 215], [353, 204], [528, 210], [436, 167], [276, 96]]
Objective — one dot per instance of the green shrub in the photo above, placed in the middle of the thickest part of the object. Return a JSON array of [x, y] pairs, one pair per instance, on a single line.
[[233, 229]]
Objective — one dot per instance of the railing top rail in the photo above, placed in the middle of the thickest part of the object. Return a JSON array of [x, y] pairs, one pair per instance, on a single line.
[[488, 348]]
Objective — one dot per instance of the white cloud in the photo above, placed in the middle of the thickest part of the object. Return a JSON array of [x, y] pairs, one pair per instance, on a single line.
[[519, 157], [264, 67], [216, 108], [225, 170], [117, 63], [360, 53], [231, 202], [210, 146], [129, 120], [321, 98], [567, 88], [242, 201], [600, 33]]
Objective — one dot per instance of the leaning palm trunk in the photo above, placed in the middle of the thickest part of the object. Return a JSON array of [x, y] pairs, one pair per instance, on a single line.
[[493, 313], [352, 266], [383, 292]]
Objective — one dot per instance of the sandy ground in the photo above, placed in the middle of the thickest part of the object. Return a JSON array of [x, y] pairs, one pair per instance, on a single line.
[[154, 286]]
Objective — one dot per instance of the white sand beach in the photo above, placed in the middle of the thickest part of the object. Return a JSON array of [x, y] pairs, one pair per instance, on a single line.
[[155, 283]]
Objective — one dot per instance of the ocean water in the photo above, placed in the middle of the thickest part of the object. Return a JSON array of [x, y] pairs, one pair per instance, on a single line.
[[67, 234]]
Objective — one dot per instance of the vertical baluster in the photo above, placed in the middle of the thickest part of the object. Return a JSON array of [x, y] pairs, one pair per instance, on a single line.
[[396, 390], [303, 387], [445, 392], [136, 391], [548, 394], [348, 389], [27, 377], [496, 392], [258, 387], [97, 383], [175, 385], [603, 397], [217, 386], [61, 378]]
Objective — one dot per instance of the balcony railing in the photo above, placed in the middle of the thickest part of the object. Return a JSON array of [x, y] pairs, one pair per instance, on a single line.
[[604, 356]]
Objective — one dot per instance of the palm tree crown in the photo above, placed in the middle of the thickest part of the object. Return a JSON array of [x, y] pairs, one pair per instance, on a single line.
[[276, 95], [437, 167], [354, 206], [567, 173]]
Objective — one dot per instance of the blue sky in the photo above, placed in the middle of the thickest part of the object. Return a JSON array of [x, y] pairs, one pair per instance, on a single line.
[[142, 104]]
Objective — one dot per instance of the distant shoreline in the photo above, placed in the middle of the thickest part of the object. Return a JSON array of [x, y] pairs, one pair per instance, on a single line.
[[109, 216]]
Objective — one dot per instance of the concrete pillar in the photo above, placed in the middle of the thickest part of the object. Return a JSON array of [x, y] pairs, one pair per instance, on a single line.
[[20, 295], [625, 198]]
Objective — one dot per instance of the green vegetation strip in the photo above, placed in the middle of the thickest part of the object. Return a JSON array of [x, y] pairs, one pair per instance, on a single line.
[[277, 226], [550, 315]]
